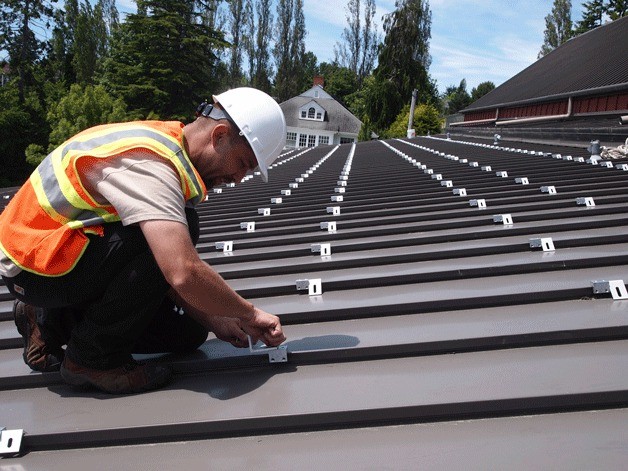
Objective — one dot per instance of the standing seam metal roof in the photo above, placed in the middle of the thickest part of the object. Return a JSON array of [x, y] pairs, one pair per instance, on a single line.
[[441, 335]]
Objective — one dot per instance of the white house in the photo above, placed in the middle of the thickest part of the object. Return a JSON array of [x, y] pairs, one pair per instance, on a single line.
[[315, 118]]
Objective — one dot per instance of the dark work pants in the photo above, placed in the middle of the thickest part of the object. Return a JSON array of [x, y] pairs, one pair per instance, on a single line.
[[113, 303]]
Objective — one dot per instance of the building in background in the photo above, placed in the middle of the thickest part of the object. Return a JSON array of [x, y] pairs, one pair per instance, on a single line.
[[315, 118]]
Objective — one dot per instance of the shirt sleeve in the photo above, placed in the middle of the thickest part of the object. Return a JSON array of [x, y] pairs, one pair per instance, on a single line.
[[143, 189]]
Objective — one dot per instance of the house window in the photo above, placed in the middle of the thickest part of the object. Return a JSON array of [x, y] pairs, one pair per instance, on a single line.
[[291, 139], [323, 140], [319, 116], [303, 114], [311, 140], [346, 140], [302, 140], [310, 113]]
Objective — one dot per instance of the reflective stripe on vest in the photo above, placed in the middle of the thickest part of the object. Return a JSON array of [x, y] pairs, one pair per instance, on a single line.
[[49, 238]]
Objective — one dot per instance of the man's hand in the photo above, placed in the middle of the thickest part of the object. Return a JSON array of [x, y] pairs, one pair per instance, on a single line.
[[265, 327], [229, 329]]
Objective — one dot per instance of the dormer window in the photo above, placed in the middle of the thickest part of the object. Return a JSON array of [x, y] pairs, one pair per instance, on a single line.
[[313, 111]]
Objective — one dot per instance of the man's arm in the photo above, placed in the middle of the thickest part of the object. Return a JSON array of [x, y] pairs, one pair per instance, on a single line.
[[200, 286]]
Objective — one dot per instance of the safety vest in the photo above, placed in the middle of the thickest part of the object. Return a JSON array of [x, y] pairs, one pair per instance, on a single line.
[[43, 229]]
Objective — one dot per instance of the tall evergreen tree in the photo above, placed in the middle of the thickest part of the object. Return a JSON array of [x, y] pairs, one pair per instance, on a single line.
[[18, 19], [592, 16], [403, 62], [161, 59], [616, 9], [259, 29], [558, 27]]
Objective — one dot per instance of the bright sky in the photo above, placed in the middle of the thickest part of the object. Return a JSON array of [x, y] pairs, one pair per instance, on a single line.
[[478, 40]]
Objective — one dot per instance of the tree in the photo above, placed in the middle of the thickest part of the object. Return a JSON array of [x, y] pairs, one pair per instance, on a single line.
[[457, 98], [403, 62], [616, 9], [259, 24], [18, 18], [161, 60], [426, 120], [236, 30], [558, 27], [80, 109], [591, 16], [90, 43], [340, 82], [359, 49], [289, 50], [481, 90]]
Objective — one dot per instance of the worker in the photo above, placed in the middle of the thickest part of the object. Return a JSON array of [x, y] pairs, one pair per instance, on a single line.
[[98, 246]]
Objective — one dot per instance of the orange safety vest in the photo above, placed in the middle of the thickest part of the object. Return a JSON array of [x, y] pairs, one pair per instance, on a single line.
[[42, 230]]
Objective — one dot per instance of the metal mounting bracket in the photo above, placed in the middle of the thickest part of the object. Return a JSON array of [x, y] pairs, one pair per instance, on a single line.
[[481, 203], [249, 226], [314, 286], [505, 219], [585, 200], [10, 441], [275, 354], [225, 246], [549, 189], [617, 288], [546, 243]]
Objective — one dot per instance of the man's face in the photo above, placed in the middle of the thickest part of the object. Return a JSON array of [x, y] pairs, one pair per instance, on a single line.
[[232, 158]]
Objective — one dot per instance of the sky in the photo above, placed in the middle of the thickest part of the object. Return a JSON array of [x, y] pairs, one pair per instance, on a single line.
[[475, 40]]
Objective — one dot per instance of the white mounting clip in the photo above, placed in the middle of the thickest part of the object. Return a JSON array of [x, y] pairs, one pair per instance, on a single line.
[[522, 180], [10, 441], [437, 176], [545, 242], [314, 286], [217, 190], [226, 246], [341, 183], [324, 249], [286, 192], [335, 210], [275, 354], [585, 200], [460, 191], [249, 226], [502, 174], [263, 211], [340, 189], [293, 185], [479, 203], [549, 189], [505, 219], [329, 225], [487, 168], [447, 183], [337, 198], [617, 288], [276, 200]]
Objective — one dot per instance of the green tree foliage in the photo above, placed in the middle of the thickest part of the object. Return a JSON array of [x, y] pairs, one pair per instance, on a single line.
[[358, 50], [90, 43], [81, 108], [340, 82], [18, 20], [403, 62], [596, 12], [457, 98], [558, 27], [259, 24], [289, 50], [426, 121], [161, 59], [481, 90], [237, 26]]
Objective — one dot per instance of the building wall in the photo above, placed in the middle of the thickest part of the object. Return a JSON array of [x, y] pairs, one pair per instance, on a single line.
[[303, 137]]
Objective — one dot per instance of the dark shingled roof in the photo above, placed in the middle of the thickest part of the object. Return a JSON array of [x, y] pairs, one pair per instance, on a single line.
[[601, 52], [338, 117]]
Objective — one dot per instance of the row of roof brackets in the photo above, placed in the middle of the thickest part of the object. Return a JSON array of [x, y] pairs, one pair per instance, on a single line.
[[617, 288], [275, 354], [10, 441]]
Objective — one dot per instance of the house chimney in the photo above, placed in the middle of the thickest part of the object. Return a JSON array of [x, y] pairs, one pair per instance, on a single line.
[[319, 80]]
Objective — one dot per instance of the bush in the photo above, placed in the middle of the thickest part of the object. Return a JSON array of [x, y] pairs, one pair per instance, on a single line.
[[426, 120]]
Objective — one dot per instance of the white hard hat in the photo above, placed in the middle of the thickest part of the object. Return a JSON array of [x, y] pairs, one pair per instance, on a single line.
[[260, 120]]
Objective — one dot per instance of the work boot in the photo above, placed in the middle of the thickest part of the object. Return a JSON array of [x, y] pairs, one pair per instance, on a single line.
[[133, 377], [39, 353]]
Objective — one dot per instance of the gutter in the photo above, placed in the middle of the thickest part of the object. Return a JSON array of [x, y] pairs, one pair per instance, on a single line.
[[538, 118]]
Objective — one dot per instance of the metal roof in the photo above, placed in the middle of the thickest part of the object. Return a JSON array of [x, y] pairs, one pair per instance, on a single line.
[[458, 324], [591, 63]]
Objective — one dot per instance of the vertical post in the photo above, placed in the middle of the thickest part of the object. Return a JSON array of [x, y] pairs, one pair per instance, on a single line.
[[411, 132]]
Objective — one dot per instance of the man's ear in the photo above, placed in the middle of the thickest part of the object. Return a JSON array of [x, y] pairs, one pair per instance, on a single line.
[[219, 134]]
